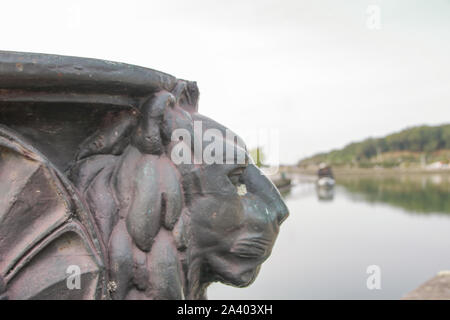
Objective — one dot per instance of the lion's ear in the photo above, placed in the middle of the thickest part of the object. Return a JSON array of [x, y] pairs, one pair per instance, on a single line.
[[154, 128]]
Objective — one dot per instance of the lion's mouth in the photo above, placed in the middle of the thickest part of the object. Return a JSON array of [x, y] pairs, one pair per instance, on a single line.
[[252, 248]]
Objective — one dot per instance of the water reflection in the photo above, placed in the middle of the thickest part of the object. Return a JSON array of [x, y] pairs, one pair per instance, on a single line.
[[325, 194], [414, 193]]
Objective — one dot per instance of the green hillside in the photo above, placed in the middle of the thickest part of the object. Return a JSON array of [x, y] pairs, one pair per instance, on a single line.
[[412, 146]]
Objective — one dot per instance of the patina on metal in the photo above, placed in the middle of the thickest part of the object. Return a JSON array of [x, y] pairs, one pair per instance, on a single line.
[[88, 187]]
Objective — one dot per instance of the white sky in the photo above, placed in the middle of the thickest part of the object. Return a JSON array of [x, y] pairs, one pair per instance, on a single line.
[[310, 69]]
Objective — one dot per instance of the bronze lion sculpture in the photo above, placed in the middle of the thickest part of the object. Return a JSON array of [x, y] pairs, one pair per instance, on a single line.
[[104, 194]]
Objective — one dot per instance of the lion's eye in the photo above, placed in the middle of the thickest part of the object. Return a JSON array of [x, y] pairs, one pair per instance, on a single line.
[[235, 176]]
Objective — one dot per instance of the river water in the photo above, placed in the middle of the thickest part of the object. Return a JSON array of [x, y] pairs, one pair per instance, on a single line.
[[400, 224]]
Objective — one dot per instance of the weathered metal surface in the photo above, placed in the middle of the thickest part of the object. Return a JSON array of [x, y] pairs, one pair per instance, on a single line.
[[53, 73], [44, 228], [87, 179]]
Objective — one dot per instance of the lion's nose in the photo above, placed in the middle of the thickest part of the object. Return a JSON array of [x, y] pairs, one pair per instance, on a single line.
[[283, 213], [257, 183], [280, 207]]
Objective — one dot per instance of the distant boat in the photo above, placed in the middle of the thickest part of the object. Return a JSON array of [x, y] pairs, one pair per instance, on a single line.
[[326, 182], [325, 177]]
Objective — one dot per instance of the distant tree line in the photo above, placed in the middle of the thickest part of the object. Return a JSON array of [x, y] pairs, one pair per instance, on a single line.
[[423, 139]]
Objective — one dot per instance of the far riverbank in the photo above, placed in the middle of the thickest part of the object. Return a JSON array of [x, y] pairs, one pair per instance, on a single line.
[[346, 171]]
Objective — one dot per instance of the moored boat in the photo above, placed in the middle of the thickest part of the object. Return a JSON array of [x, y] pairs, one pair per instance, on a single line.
[[325, 177]]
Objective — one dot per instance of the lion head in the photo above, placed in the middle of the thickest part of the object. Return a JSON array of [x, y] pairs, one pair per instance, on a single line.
[[171, 228]]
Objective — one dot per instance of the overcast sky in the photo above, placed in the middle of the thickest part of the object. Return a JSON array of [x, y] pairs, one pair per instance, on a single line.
[[313, 70]]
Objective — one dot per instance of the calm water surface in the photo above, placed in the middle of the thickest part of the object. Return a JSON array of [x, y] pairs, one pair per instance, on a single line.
[[401, 224]]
